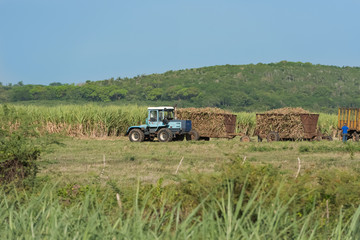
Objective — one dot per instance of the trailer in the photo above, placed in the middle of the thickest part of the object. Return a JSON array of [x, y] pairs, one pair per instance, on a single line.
[[212, 123], [350, 117], [287, 126]]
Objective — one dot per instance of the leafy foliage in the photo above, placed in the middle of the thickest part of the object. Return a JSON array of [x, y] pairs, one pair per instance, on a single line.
[[236, 87], [20, 147]]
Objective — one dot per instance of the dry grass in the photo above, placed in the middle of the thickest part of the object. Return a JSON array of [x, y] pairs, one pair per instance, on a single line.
[[81, 160]]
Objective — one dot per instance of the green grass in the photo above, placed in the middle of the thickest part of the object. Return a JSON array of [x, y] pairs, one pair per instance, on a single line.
[[223, 189], [327, 124], [251, 210]]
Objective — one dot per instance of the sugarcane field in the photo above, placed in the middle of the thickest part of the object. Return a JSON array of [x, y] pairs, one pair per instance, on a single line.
[[138, 164]]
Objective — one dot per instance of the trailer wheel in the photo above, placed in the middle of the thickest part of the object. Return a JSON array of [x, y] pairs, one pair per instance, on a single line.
[[355, 137], [192, 135], [272, 136], [245, 139], [165, 135], [136, 135]]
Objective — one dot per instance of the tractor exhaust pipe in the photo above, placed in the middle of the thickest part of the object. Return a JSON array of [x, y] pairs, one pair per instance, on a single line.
[[175, 117]]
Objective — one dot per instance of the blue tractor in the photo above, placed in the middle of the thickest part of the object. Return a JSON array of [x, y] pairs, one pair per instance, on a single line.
[[162, 124]]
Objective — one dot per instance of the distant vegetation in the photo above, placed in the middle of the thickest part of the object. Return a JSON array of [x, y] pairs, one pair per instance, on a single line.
[[235, 87]]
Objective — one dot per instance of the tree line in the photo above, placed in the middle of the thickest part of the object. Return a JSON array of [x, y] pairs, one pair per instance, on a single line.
[[235, 87]]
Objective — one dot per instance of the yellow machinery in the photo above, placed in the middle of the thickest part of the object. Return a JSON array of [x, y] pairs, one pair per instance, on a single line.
[[350, 117]]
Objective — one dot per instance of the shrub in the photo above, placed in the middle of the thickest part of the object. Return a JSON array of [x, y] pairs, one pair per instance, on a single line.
[[20, 147], [17, 157]]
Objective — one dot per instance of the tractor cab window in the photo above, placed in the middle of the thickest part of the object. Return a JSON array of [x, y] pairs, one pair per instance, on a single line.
[[161, 115], [153, 116], [169, 115]]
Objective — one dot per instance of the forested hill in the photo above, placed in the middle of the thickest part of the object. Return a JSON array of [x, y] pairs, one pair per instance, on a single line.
[[236, 87]]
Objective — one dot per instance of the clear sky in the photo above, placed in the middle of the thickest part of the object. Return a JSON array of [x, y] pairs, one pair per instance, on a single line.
[[45, 41]]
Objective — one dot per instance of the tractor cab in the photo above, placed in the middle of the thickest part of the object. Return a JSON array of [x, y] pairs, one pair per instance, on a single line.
[[159, 116]]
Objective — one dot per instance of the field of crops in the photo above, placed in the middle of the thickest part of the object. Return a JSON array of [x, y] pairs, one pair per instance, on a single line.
[[99, 121], [93, 183]]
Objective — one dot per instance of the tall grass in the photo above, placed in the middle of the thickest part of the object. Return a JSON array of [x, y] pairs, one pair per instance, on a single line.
[[95, 120], [43, 215], [245, 123], [79, 120], [328, 124]]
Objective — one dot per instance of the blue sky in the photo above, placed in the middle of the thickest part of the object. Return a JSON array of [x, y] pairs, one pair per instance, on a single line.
[[45, 41]]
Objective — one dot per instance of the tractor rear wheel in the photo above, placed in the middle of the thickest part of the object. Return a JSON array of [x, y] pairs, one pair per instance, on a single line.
[[272, 136], [165, 135], [192, 135], [136, 135]]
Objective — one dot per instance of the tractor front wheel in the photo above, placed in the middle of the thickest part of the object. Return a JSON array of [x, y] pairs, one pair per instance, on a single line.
[[136, 135], [165, 135]]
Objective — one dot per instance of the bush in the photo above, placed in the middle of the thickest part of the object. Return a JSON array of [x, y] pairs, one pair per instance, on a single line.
[[20, 147], [17, 158]]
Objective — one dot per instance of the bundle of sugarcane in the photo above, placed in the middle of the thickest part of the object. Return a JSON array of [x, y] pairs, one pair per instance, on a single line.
[[209, 122], [285, 121], [288, 110]]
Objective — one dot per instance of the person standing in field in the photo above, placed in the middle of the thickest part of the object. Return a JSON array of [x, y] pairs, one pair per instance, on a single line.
[[345, 132]]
